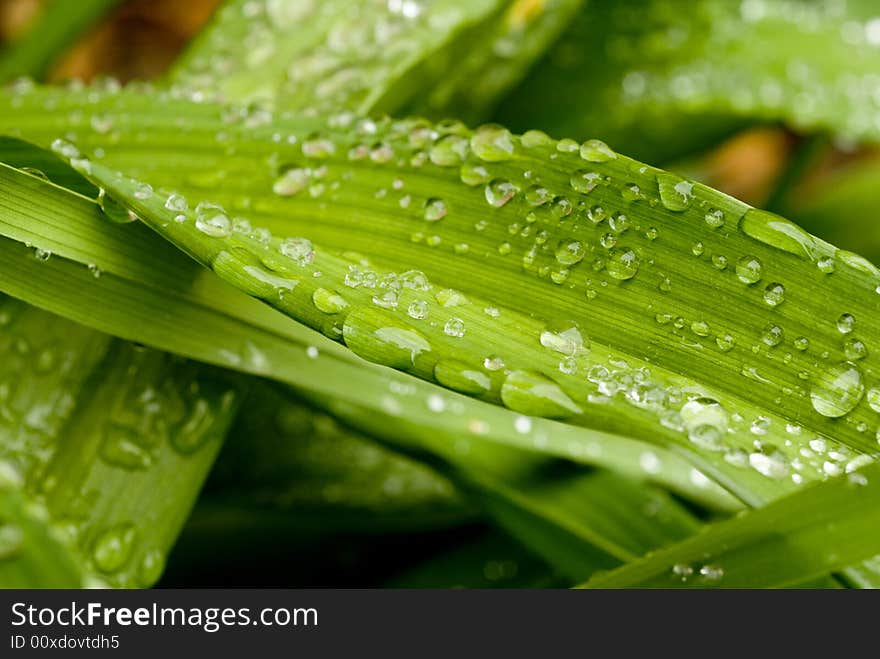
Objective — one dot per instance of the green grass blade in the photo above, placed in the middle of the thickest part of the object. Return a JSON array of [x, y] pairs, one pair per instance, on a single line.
[[657, 80], [60, 24], [824, 527], [153, 295], [95, 427], [32, 554], [364, 55], [284, 455], [661, 257]]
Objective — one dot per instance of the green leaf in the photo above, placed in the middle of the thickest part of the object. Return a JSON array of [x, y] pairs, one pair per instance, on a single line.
[[657, 80], [497, 488], [704, 325], [284, 455], [151, 294], [95, 427], [32, 555], [822, 528], [58, 26], [365, 55]]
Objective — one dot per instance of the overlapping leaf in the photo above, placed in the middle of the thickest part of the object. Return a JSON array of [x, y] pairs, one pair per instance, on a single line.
[[656, 79]]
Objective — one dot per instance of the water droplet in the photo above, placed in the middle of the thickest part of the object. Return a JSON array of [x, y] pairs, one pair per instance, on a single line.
[[567, 145], [748, 269], [725, 342], [700, 328], [454, 327], [715, 219], [538, 195], [682, 571], [584, 181], [418, 309], [461, 377], [122, 447], [176, 203], [449, 151], [472, 174], [328, 301], [435, 209], [772, 465], [151, 567], [212, 221], [873, 398], [596, 151], [712, 572], [143, 191], [845, 323], [291, 182], [499, 192], [623, 264], [449, 297], [705, 421], [773, 335], [374, 335], [774, 294], [536, 395], [776, 231], [802, 343], [300, 250], [854, 349], [42, 254], [568, 341], [492, 143], [570, 252], [675, 192], [493, 363], [826, 264], [837, 390], [112, 548]]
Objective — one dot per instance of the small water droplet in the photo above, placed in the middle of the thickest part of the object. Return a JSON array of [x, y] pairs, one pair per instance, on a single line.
[[435, 209], [774, 294], [749, 269], [622, 264]]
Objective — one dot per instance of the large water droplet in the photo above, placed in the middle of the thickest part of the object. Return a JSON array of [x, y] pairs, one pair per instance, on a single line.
[[461, 377], [112, 548], [749, 269], [376, 336], [435, 209], [596, 151], [776, 231], [300, 250], [675, 192], [492, 143], [500, 191], [570, 252], [212, 220], [837, 390], [536, 395], [328, 301], [705, 421]]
